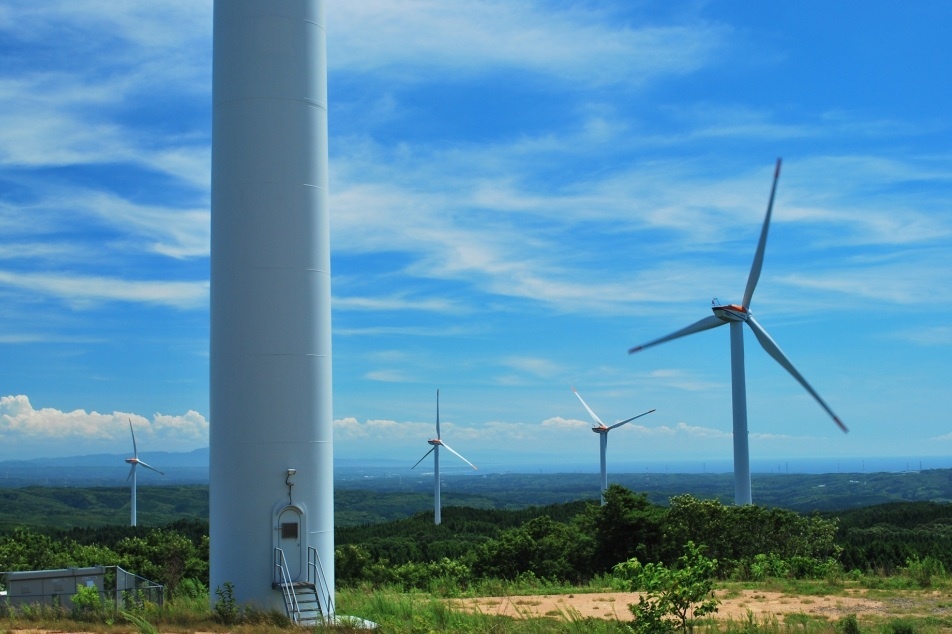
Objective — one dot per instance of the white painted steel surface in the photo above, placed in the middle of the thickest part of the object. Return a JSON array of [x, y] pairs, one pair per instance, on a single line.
[[270, 377]]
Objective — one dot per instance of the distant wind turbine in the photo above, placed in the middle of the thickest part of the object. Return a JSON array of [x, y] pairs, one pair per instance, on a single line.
[[736, 316], [435, 450], [135, 462], [602, 430]]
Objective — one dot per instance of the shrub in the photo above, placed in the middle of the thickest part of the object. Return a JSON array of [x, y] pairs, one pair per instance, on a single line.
[[226, 607], [673, 597], [849, 625], [87, 604], [922, 571]]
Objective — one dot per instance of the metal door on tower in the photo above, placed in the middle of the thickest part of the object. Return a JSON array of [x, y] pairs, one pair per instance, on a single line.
[[290, 540]]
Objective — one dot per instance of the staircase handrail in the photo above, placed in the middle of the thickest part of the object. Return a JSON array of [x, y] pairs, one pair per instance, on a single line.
[[315, 575], [283, 579]]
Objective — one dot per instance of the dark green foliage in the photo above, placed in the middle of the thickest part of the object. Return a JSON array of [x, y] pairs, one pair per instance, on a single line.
[[626, 526], [166, 556], [735, 535], [848, 625], [64, 507], [462, 529], [884, 537], [900, 626], [546, 548], [501, 537]]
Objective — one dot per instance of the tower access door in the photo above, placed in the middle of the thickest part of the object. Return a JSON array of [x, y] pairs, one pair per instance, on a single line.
[[289, 537]]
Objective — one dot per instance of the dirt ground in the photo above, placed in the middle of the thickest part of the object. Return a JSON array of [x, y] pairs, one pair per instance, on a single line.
[[735, 606]]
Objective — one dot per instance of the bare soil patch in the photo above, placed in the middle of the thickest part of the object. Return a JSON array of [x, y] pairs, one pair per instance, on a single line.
[[735, 605]]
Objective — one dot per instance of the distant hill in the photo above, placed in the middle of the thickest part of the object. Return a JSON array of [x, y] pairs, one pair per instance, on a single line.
[[105, 470], [362, 497]]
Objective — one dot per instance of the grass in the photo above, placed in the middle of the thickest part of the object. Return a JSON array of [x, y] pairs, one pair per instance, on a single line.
[[910, 610]]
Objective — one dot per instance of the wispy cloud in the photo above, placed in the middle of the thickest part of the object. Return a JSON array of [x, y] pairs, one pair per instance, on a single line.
[[86, 292], [577, 43]]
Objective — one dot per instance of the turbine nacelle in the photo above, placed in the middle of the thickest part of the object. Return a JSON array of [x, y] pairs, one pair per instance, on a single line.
[[731, 312]]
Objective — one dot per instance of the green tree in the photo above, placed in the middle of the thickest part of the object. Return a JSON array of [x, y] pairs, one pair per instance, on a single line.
[[163, 556], [627, 525], [736, 535], [674, 597], [546, 548]]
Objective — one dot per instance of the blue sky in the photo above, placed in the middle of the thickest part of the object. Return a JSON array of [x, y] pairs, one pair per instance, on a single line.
[[520, 191]]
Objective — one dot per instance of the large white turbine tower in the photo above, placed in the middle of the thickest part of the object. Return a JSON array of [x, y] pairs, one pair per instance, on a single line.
[[135, 462], [737, 315], [271, 427], [602, 430], [435, 450]]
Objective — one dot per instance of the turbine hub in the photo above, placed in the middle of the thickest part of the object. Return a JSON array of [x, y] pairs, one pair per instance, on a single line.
[[435, 441], [600, 430], [730, 312]]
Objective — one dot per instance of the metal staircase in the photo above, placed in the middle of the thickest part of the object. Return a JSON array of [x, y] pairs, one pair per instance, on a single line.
[[303, 599]]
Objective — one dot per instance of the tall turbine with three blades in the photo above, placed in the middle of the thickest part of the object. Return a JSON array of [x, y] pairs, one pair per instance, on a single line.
[[737, 315], [602, 430], [135, 462], [435, 450]]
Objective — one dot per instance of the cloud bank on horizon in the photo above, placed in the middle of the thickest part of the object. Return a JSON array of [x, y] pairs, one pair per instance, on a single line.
[[520, 191]]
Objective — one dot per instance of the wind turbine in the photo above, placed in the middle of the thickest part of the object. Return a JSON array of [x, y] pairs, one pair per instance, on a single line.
[[135, 462], [602, 430], [435, 450], [737, 315]]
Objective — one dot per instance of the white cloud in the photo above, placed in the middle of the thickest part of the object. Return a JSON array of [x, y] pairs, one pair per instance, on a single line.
[[91, 291], [21, 422], [932, 336], [389, 376], [397, 302], [576, 44], [557, 423]]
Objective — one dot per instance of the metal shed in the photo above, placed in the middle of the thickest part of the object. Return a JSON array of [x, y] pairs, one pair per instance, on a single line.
[[51, 586]]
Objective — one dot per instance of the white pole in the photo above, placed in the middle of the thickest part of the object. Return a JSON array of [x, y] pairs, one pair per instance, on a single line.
[[739, 398], [270, 361], [603, 449], [437, 514], [134, 495]]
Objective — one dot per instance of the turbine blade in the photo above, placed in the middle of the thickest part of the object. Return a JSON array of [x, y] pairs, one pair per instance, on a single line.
[[774, 350], [761, 245], [630, 419], [705, 324], [455, 453], [135, 452], [424, 456], [148, 466], [132, 471], [437, 414], [589, 409]]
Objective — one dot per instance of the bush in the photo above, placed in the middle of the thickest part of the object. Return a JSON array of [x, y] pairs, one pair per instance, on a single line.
[[226, 607], [922, 571], [849, 625], [901, 626], [87, 604], [673, 597]]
